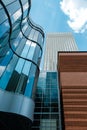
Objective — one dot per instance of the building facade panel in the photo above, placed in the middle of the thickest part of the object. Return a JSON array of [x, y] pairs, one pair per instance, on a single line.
[[47, 102], [73, 86], [56, 42]]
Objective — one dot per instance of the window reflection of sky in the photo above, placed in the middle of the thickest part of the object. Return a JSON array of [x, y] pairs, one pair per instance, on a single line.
[[47, 85], [5, 26], [13, 67]]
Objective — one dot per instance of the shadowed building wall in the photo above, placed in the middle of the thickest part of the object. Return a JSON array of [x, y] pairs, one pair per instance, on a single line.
[[72, 68]]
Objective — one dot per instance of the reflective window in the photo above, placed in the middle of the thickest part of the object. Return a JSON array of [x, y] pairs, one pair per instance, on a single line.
[[13, 7], [40, 39], [25, 9], [20, 63], [29, 87], [4, 28], [32, 34], [18, 73], [3, 16], [47, 110]]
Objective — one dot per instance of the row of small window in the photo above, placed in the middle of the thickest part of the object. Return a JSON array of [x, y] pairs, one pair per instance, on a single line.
[[46, 115], [50, 96], [45, 78], [46, 123], [37, 122], [47, 87], [42, 74], [48, 78], [47, 95], [46, 109], [45, 128], [46, 100], [47, 105]]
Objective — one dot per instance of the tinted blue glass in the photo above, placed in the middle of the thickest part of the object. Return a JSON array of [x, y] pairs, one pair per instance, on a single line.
[[36, 54], [25, 14], [7, 58], [40, 39], [26, 68], [13, 7], [3, 16], [12, 65], [29, 87], [47, 104], [4, 79], [4, 28]]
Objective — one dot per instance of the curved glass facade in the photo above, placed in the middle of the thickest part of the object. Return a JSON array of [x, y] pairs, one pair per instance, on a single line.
[[20, 47], [21, 44]]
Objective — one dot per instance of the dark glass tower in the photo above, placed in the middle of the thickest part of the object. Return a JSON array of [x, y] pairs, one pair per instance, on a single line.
[[21, 44], [47, 111]]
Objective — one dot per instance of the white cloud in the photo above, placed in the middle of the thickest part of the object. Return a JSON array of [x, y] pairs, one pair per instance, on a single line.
[[76, 10]]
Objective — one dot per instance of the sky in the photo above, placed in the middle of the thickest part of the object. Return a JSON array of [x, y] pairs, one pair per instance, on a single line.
[[62, 16]]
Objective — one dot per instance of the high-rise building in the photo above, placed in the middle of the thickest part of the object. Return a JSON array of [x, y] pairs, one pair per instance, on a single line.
[[21, 44], [72, 69], [56, 42], [48, 109]]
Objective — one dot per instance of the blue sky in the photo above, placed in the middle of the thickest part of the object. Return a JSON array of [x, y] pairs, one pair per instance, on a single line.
[[62, 16]]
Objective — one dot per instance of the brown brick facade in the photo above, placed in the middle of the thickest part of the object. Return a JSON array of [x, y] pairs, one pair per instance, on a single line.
[[72, 69]]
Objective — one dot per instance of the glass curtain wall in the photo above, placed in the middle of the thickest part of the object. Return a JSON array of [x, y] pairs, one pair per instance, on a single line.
[[21, 45], [47, 103]]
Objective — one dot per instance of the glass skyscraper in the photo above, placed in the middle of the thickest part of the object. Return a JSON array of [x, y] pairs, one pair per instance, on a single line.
[[21, 44], [56, 42], [48, 99]]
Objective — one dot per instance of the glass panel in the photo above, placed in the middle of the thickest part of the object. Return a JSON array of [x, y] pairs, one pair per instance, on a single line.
[[3, 16], [31, 34], [4, 28], [47, 102], [13, 7], [29, 87], [21, 86], [11, 86], [36, 35], [40, 39], [20, 63], [25, 9], [9, 69], [36, 54], [28, 30], [8, 1]]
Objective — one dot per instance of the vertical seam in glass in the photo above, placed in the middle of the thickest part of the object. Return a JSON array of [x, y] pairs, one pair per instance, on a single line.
[[59, 108]]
